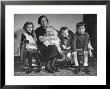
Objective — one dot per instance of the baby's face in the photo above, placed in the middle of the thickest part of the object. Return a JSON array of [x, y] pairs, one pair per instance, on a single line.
[[29, 28], [65, 33], [81, 30]]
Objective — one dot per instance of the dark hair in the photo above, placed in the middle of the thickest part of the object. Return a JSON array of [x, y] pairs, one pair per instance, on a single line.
[[39, 19], [81, 24], [27, 23], [63, 29]]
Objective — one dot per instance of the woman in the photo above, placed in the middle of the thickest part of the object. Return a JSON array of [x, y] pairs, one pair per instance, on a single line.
[[49, 53]]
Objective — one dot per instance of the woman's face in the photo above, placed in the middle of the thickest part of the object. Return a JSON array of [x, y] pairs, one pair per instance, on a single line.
[[44, 22]]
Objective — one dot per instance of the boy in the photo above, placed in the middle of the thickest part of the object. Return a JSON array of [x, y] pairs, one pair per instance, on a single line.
[[66, 39], [80, 47], [29, 40]]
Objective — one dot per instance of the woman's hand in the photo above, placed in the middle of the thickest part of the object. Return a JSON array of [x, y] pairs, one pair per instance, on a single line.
[[41, 38]]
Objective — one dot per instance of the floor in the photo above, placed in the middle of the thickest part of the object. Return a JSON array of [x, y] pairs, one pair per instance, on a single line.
[[63, 71]]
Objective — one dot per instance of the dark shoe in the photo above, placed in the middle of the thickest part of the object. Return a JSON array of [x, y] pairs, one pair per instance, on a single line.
[[38, 70], [29, 70], [55, 69], [72, 65], [49, 70], [86, 70], [76, 70]]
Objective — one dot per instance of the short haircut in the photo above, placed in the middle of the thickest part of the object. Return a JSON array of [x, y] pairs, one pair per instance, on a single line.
[[39, 19], [27, 23], [81, 24], [63, 29]]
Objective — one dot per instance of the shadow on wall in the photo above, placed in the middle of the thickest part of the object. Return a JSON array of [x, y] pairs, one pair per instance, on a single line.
[[91, 21], [17, 40]]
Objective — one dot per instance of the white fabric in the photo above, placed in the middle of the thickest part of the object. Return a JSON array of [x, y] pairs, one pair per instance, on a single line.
[[32, 43]]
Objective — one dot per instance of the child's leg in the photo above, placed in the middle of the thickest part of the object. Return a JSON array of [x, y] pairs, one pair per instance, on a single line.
[[37, 62], [77, 68], [85, 58], [69, 56], [86, 70], [29, 56], [75, 58]]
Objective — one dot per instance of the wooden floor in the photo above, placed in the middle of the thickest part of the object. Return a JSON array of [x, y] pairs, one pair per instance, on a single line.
[[63, 71]]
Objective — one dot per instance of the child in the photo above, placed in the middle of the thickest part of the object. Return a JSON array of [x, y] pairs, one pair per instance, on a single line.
[[29, 40], [80, 47], [66, 39], [51, 38]]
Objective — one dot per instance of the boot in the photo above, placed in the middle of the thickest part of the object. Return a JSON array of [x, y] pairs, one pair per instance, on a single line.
[[86, 70], [29, 70], [55, 69], [38, 69], [49, 70], [76, 70]]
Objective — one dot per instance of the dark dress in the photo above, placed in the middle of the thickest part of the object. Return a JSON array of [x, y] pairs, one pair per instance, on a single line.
[[46, 53]]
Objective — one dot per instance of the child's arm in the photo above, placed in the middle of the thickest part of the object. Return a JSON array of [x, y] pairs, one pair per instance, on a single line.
[[74, 43], [64, 47], [34, 36], [85, 48], [23, 39]]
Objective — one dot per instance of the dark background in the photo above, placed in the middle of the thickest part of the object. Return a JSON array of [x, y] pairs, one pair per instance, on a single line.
[[91, 21]]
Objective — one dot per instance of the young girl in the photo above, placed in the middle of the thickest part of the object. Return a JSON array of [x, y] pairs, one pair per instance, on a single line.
[[29, 40]]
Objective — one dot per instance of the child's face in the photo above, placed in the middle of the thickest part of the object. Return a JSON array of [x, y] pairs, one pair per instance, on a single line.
[[29, 28], [81, 30], [65, 33], [49, 31]]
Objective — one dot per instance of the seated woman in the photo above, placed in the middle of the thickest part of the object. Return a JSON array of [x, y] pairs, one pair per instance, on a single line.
[[48, 53], [29, 46]]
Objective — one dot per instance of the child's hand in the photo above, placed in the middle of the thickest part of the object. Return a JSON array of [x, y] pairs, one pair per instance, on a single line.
[[90, 53], [63, 46]]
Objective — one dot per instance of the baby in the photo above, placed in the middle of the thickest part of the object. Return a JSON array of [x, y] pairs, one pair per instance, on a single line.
[[51, 38]]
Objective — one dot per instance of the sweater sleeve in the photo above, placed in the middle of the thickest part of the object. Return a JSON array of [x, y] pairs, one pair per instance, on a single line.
[[86, 42], [23, 38], [74, 38]]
